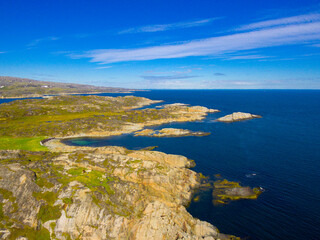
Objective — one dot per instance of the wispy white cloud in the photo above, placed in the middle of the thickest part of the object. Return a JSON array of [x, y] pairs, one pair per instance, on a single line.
[[40, 40], [105, 67], [166, 27], [301, 33], [307, 18], [246, 57], [2, 52], [316, 45]]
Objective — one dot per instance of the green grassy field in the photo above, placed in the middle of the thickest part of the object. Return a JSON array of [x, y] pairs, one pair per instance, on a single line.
[[23, 143]]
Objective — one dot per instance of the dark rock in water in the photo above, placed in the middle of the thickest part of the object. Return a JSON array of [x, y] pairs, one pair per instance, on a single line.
[[225, 191]]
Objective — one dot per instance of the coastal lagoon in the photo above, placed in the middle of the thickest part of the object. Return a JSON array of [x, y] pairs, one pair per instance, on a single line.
[[279, 152]]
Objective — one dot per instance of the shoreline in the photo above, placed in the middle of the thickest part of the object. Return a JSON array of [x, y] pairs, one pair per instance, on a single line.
[[138, 193], [170, 161]]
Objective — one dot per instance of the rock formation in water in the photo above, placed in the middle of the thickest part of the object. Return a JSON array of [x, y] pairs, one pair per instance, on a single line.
[[170, 132], [225, 191], [237, 116]]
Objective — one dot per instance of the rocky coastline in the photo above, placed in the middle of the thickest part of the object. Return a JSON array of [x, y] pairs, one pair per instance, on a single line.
[[99, 193], [109, 192]]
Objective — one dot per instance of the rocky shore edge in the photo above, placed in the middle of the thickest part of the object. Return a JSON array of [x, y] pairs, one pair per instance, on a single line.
[[99, 193], [103, 192]]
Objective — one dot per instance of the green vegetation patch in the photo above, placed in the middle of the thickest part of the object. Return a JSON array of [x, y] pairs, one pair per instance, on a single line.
[[29, 233], [6, 194], [23, 143], [67, 201], [93, 179], [43, 182], [48, 212], [27, 120], [49, 197]]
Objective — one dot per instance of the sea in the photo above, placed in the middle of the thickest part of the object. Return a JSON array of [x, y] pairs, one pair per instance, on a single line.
[[279, 152]]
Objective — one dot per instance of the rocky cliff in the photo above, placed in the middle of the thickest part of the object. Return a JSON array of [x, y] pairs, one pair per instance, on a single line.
[[98, 193]]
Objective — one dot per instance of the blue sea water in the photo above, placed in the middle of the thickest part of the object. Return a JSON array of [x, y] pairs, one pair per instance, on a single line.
[[279, 152]]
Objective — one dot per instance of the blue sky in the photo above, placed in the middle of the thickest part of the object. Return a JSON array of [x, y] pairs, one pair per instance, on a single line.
[[153, 44]]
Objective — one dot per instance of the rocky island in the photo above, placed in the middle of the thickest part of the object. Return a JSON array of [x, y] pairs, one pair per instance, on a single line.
[[237, 116], [170, 132], [226, 191], [56, 191]]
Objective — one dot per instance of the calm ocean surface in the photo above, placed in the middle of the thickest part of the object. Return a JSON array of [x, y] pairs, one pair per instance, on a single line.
[[282, 149]]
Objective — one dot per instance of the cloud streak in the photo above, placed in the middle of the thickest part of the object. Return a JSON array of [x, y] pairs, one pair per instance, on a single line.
[[300, 33], [307, 18], [105, 67], [167, 27], [247, 57], [168, 77]]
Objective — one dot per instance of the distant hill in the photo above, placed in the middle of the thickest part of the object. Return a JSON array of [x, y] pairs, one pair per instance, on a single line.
[[14, 87]]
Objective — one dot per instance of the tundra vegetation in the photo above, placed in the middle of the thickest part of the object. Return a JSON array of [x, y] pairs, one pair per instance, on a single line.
[[23, 123]]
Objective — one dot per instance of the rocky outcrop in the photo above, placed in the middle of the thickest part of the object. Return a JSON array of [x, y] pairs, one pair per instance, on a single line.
[[226, 191], [98, 193], [237, 116], [169, 132]]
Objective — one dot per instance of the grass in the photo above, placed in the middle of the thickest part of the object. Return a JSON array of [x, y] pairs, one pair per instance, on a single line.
[[22, 143]]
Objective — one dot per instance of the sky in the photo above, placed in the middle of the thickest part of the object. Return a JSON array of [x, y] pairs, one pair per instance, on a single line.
[[152, 44]]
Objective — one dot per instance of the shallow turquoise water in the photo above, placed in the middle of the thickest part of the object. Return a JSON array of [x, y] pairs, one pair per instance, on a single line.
[[282, 149]]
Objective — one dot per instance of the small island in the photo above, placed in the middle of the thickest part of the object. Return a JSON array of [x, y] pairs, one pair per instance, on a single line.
[[225, 191], [170, 132], [237, 116]]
